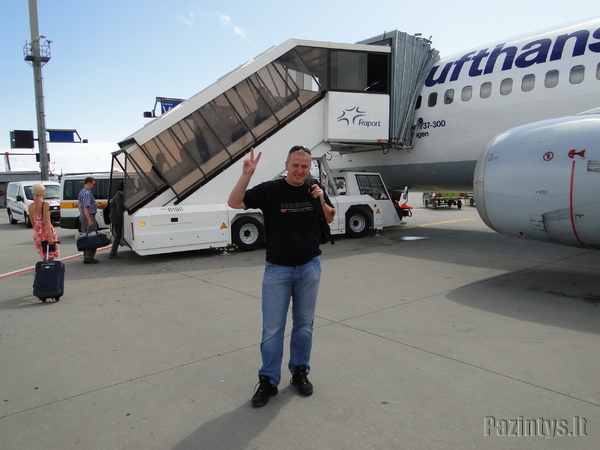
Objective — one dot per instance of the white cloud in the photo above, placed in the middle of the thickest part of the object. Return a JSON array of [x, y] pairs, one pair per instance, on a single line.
[[228, 23], [240, 32], [188, 19], [225, 20]]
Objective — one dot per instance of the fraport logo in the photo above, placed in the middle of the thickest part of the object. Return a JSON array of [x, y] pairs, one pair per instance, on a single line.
[[355, 116]]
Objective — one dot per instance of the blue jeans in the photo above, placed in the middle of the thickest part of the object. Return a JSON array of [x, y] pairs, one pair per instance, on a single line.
[[280, 285]]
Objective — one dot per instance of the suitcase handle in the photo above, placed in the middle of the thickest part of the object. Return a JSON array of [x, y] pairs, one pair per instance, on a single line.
[[50, 248]]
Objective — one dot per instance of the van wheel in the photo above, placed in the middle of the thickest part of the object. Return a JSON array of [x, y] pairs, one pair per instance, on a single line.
[[247, 233], [26, 219], [357, 223], [11, 219]]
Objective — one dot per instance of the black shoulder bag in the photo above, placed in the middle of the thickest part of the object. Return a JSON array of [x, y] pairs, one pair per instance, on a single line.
[[324, 226], [106, 213]]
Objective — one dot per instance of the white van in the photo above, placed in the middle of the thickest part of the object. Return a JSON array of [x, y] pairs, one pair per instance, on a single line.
[[19, 196], [70, 186]]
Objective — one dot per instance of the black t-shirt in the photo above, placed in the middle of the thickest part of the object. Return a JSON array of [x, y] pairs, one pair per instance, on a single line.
[[291, 222]]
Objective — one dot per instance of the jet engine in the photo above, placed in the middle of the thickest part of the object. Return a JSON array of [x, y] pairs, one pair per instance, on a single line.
[[541, 181]]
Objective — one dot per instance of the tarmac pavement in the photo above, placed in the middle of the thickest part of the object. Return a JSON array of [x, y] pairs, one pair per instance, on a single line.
[[438, 334]]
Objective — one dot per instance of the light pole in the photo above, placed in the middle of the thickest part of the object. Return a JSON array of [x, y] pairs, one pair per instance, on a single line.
[[37, 54]]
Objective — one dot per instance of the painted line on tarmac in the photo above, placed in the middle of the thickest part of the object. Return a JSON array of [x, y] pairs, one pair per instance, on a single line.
[[441, 223], [28, 269]]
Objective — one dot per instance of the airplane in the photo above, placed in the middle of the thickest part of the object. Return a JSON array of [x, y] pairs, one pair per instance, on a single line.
[[341, 100], [506, 119]]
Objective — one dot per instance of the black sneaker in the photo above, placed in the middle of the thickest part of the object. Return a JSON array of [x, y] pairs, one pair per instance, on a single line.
[[299, 379], [264, 391]]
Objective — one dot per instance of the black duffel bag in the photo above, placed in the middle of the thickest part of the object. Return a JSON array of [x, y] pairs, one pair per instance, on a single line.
[[93, 241]]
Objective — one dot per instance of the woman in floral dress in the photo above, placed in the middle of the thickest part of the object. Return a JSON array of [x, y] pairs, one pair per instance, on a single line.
[[39, 214]]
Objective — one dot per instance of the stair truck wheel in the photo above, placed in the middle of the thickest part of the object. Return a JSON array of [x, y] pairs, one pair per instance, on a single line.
[[357, 223], [247, 233]]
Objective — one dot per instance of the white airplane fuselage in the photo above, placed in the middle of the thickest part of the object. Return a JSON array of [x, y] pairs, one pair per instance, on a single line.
[[543, 75]]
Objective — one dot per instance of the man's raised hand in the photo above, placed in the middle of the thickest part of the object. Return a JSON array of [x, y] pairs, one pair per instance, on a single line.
[[251, 162]]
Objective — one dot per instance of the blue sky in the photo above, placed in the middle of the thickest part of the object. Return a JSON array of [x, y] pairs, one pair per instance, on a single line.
[[111, 59]]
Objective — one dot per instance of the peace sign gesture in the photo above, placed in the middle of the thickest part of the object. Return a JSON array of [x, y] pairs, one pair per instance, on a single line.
[[236, 198], [251, 162]]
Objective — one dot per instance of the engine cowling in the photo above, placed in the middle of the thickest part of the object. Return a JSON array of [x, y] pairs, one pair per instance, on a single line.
[[541, 181]]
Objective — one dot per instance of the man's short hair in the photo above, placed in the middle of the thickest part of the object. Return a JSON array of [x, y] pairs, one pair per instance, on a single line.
[[89, 180], [298, 148]]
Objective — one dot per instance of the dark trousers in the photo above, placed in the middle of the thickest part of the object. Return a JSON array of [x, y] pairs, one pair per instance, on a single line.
[[117, 232]]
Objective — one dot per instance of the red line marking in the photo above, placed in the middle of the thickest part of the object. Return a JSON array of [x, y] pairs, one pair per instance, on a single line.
[[29, 269], [571, 204]]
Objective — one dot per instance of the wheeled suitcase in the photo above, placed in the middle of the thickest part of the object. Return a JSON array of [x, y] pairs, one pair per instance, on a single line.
[[49, 281]]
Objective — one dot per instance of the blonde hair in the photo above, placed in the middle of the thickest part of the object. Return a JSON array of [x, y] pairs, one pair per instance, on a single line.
[[38, 189]]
